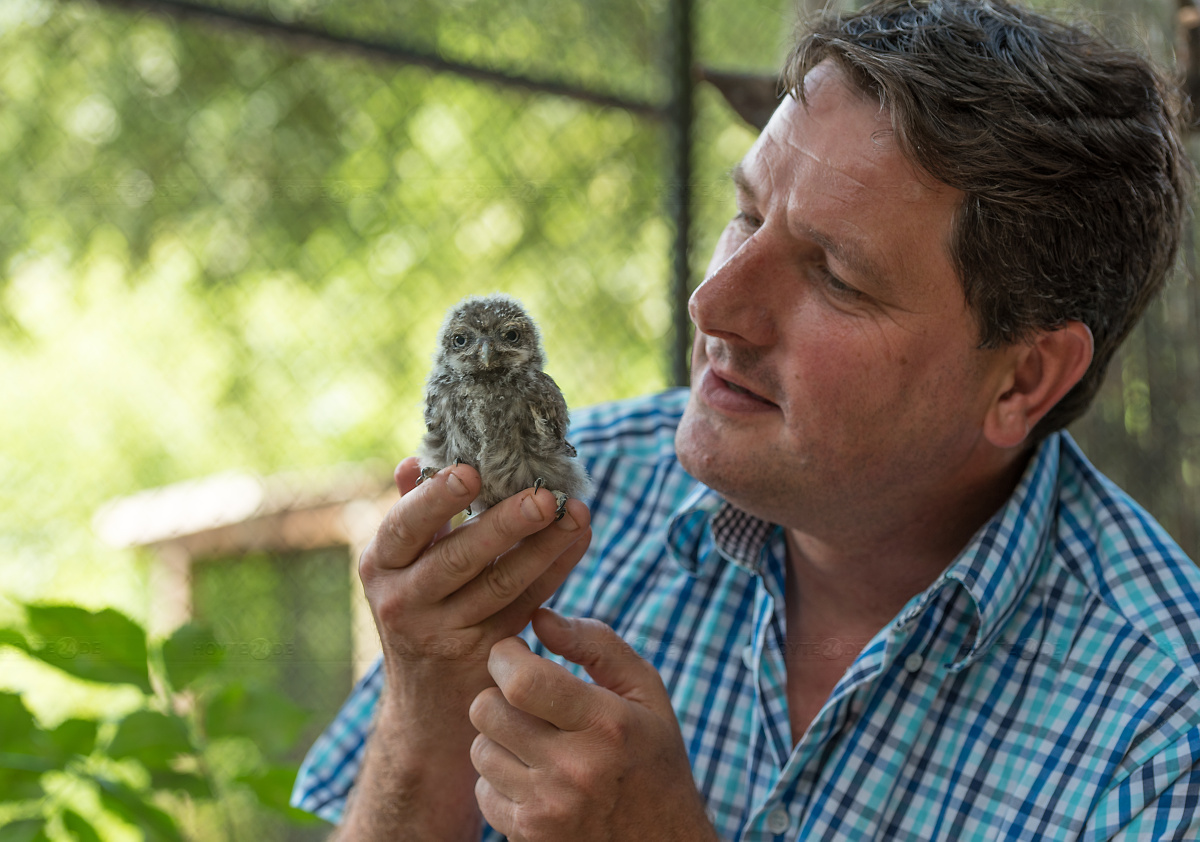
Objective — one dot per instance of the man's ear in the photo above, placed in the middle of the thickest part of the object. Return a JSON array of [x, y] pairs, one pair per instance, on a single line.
[[1042, 371]]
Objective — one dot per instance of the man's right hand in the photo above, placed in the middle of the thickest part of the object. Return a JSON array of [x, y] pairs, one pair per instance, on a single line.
[[441, 599]]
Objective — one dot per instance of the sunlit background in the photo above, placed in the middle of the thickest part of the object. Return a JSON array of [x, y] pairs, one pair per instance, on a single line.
[[224, 254]]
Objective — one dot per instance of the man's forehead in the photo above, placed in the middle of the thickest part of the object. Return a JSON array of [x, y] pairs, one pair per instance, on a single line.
[[816, 127]]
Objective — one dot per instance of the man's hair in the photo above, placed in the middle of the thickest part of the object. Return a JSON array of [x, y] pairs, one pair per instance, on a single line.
[[1067, 148]]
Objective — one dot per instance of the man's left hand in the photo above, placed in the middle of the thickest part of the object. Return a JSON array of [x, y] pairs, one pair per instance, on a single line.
[[559, 758]]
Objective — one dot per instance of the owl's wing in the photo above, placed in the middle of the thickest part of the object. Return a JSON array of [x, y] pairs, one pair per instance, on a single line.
[[556, 410], [437, 411]]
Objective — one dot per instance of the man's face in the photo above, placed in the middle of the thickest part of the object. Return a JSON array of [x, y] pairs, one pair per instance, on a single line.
[[835, 371]]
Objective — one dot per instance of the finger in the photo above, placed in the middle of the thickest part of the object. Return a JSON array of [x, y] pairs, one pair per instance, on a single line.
[[463, 554], [411, 524], [498, 810], [503, 769], [406, 475], [543, 688], [519, 733], [609, 660], [506, 580], [519, 613]]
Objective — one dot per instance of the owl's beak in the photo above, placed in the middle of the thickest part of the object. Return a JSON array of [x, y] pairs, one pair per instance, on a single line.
[[485, 353]]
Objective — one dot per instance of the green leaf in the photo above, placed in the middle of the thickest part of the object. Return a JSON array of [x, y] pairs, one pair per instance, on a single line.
[[188, 782], [26, 830], [135, 809], [273, 788], [270, 719], [153, 738], [21, 765], [12, 637], [80, 827], [192, 651], [17, 725], [73, 736], [104, 646], [19, 785]]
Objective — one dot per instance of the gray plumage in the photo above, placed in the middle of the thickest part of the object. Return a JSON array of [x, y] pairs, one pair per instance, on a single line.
[[489, 404]]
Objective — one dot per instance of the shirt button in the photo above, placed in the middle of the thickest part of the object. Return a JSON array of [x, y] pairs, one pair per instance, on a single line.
[[748, 656], [777, 821], [913, 662]]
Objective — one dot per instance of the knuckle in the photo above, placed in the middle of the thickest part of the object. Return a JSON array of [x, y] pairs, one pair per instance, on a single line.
[[482, 707], [398, 531], [523, 686], [479, 752], [367, 568], [454, 559], [613, 732], [501, 583]]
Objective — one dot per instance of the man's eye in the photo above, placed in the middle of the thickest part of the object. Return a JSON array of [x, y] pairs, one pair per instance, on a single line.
[[837, 285], [747, 219]]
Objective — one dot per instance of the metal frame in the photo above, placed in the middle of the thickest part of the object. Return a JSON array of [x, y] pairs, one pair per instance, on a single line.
[[678, 113]]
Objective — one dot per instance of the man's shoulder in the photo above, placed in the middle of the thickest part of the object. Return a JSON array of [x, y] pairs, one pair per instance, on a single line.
[[641, 427], [1128, 561]]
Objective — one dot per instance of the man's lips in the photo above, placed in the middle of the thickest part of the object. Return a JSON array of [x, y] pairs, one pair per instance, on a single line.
[[723, 393], [744, 391]]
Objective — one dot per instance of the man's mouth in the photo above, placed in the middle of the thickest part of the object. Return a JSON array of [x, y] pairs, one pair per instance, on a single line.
[[733, 387]]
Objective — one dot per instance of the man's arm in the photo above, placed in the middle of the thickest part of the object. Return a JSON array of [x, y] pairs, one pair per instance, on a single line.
[[441, 599]]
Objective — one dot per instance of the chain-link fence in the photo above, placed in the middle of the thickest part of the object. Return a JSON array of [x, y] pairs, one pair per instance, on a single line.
[[227, 242]]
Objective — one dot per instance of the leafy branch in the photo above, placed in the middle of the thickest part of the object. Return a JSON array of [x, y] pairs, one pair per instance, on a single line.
[[145, 766]]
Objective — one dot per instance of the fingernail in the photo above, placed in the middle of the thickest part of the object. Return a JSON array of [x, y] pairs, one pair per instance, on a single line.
[[455, 484], [567, 522], [530, 509]]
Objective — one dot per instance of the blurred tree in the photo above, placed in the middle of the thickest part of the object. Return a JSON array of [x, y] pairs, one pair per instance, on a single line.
[[220, 250]]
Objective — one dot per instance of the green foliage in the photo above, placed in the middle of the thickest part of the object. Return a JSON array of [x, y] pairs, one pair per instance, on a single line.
[[104, 646], [141, 767]]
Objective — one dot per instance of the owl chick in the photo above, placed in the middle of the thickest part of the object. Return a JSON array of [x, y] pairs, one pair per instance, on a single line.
[[489, 404]]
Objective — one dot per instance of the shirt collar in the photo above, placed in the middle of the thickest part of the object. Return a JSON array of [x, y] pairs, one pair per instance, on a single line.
[[738, 537], [995, 567]]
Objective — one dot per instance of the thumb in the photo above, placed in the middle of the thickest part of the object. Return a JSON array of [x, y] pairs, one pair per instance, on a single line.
[[609, 660]]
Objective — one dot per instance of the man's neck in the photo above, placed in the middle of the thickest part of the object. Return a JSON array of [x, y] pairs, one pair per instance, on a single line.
[[853, 583]]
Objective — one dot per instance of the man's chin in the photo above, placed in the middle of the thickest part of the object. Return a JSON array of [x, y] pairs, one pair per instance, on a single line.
[[706, 452]]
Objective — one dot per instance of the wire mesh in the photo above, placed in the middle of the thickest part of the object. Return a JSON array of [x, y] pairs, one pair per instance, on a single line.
[[223, 251]]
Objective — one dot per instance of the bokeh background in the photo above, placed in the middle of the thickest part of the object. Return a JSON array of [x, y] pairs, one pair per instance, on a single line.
[[229, 230]]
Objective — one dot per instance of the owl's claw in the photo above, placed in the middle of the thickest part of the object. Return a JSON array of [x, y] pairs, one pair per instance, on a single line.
[[562, 505], [426, 473], [538, 483]]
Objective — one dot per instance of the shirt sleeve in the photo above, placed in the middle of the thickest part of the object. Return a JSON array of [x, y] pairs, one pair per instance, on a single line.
[[1159, 800], [331, 765]]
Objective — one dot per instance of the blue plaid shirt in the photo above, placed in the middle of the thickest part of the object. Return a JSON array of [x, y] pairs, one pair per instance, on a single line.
[[1044, 687]]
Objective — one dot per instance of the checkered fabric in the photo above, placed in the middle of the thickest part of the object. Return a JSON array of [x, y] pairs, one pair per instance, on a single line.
[[1043, 688]]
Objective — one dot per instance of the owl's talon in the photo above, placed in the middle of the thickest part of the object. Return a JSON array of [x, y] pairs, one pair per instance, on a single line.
[[538, 483], [562, 505], [426, 473]]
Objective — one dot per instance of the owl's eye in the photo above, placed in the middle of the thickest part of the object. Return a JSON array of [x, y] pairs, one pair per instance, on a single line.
[[511, 335], [459, 340]]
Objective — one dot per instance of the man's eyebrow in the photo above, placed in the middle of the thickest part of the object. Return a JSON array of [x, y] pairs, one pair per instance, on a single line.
[[848, 252], [741, 180], [852, 254]]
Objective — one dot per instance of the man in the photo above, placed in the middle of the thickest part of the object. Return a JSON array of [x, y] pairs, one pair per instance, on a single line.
[[854, 585]]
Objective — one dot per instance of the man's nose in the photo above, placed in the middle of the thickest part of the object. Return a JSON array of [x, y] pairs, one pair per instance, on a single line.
[[734, 302]]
